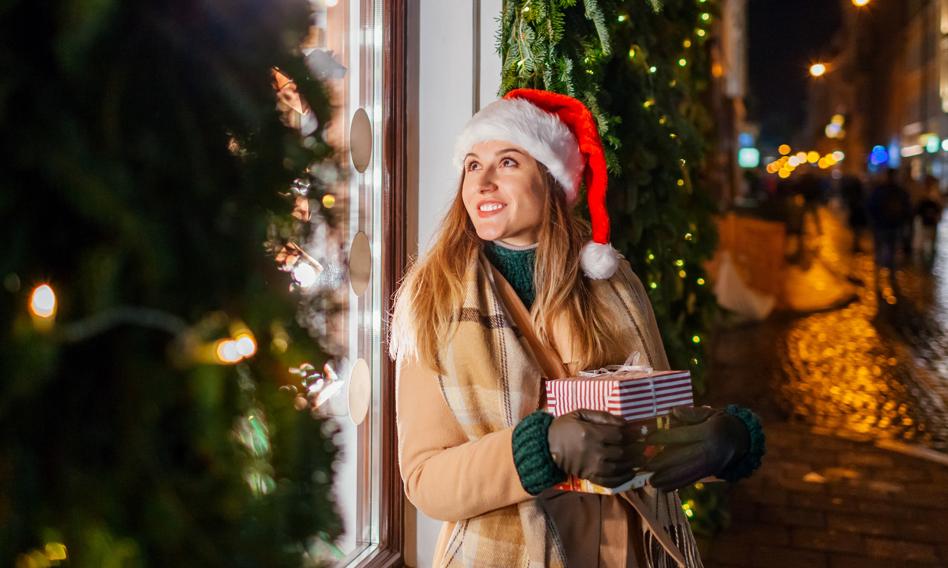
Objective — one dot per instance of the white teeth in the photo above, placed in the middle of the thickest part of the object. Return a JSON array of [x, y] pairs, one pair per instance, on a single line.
[[491, 206]]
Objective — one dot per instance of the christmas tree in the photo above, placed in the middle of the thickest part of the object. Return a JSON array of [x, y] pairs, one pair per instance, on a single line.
[[145, 331], [641, 67]]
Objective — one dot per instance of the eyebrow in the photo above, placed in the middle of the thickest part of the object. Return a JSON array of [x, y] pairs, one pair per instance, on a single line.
[[504, 151]]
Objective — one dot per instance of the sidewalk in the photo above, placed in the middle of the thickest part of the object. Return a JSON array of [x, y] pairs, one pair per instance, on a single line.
[[821, 501], [832, 388]]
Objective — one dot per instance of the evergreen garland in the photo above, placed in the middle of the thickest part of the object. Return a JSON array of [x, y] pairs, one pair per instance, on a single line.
[[640, 67]]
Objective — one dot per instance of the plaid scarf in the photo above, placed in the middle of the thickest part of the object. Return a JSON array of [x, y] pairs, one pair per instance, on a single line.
[[492, 381]]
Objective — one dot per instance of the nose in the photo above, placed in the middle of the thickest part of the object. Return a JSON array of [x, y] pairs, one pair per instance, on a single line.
[[486, 184]]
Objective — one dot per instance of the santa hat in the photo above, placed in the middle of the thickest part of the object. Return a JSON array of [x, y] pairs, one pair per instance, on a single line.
[[560, 133]]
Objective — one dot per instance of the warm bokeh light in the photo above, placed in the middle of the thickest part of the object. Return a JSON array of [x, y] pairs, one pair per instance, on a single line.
[[227, 352], [813, 156], [860, 3], [246, 345], [818, 69], [43, 301], [784, 149], [329, 200]]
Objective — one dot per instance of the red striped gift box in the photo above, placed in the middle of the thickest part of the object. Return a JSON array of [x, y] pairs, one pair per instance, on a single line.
[[633, 395], [638, 396]]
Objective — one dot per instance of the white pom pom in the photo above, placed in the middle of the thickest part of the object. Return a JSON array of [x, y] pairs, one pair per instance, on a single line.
[[599, 261]]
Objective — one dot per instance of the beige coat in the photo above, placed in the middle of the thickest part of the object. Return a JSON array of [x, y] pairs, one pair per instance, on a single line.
[[451, 478]]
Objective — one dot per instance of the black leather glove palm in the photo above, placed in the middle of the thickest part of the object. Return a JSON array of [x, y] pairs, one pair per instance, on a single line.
[[597, 446], [701, 442]]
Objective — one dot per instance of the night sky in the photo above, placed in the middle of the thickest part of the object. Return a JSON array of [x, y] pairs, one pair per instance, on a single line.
[[785, 37]]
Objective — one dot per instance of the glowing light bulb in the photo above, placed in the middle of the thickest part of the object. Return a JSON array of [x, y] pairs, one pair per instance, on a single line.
[[818, 69], [860, 3], [305, 274], [246, 345], [227, 351], [43, 301]]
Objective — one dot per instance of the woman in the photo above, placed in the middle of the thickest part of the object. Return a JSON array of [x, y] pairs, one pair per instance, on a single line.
[[474, 448]]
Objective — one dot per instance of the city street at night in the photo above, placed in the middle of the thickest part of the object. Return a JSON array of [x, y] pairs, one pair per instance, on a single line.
[[474, 283]]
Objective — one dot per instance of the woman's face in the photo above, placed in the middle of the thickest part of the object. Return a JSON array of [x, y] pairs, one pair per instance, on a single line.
[[503, 193]]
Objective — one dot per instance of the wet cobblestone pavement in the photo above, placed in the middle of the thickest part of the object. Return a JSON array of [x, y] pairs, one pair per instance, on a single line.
[[853, 403], [873, 366]]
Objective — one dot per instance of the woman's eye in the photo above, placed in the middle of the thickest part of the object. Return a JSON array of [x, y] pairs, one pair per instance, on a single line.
[[471, 166], [508, 162]]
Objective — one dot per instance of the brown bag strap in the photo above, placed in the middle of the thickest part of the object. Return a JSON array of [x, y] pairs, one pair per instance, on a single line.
[[549, 361], [655, 527]]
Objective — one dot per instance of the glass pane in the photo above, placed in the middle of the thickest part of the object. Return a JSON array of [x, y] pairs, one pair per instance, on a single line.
[[344, 48]]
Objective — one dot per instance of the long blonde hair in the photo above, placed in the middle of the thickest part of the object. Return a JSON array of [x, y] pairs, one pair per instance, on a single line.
[[429, 300]]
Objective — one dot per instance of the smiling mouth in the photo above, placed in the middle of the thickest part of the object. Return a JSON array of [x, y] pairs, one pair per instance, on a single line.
[[490, 207]]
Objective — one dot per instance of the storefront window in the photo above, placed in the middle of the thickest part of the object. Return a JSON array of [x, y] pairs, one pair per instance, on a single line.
[[344, 49]]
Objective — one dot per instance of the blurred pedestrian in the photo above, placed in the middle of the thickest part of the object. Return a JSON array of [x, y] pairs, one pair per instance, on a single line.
[[890, 210], [927, 215], [855, 199]]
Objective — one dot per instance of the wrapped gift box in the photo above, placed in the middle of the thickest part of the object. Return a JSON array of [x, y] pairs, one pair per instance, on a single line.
[[640, 396]]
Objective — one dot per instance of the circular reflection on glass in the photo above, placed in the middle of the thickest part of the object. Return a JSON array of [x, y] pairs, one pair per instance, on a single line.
[[360, 140], [360, 392], [360, 263]]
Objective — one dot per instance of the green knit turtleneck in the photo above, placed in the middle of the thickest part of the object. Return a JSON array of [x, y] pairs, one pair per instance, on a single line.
[[516, 265]]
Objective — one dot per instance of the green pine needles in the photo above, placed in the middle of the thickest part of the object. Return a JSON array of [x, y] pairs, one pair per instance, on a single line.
[[641, 67]]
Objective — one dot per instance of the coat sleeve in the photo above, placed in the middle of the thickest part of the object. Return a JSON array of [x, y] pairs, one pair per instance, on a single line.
[[447, 476]]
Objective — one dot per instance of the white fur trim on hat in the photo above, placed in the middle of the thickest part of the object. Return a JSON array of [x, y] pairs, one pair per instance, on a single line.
[[599, 261], [540, 133]]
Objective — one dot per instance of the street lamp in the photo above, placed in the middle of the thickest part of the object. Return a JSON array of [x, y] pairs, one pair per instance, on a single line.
[[818, 69]]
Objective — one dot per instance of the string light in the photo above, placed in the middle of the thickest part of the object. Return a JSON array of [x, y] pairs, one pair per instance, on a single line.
[[700, 281], [652, 69], [246, 345], [682, 62], [43, 301], [696, 339], [226, 351], [329, 200]]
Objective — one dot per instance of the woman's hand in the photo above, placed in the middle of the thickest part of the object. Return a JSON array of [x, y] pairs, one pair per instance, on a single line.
[[597, 446], [704, 442]]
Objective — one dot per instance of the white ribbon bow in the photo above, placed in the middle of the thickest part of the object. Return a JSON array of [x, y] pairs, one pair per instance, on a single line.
[[631, 364]]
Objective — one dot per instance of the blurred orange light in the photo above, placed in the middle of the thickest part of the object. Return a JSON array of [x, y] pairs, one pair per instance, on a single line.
[[818, 69], [43, 301], [813, 157], [784, 149], [860, 3]]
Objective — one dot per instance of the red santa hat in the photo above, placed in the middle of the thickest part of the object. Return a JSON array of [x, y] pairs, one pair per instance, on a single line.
[[560, 133]]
